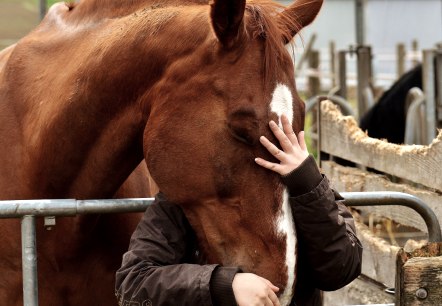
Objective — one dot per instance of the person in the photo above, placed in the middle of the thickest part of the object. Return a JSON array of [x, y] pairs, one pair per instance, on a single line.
[[160, 266]]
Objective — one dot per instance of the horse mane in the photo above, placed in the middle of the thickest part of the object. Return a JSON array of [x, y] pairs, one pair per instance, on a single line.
[[264, 23], [115, 8]]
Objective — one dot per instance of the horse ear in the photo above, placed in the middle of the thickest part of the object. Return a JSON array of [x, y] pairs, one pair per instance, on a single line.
[[227, 20], [297, 16]]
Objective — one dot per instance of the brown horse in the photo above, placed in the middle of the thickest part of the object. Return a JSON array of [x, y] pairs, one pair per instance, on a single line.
[[101, 84]]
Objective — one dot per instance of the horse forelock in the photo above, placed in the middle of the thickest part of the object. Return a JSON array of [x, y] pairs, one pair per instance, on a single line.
[[264, 23]]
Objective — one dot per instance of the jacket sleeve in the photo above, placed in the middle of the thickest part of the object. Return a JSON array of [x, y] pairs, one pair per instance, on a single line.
[[329, 250], [155, 271]]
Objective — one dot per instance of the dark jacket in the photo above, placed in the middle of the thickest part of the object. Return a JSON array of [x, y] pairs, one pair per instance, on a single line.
[[163, 266]]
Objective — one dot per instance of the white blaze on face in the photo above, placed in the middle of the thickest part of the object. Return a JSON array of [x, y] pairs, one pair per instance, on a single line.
[[282, 103]]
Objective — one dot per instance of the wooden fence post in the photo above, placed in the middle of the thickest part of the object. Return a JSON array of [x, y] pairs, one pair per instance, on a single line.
[[314, 83], [342, 74], [332, 63], [430, 94], [307, 51], [439, 83], [418, 276], [364, 78], [414, 49], [400, 60]]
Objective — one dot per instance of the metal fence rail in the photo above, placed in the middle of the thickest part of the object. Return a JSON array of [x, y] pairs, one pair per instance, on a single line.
[[28, 210], [70, 207], [388, 198]]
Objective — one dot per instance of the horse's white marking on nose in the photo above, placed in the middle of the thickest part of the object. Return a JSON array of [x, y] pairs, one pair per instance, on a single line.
[[286, 226], [282, 103]]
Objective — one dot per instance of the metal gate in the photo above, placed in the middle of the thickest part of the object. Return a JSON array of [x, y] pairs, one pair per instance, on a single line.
[[28, 210]]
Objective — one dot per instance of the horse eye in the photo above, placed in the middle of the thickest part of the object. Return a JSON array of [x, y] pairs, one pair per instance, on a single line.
[[243, 135], [243, 125]]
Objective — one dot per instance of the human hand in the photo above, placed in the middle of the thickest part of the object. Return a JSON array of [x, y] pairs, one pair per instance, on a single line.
[[253, 290], [294, 150]]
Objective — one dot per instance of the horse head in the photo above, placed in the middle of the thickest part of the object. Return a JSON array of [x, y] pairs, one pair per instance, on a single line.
[[190, 86], [206, 114]]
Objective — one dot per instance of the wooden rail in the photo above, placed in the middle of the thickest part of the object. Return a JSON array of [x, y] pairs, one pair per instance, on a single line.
[[415, 276], [341, 136]]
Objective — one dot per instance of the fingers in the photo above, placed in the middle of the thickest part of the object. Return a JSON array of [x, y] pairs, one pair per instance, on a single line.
[[271, 293], [283, 139], [288, 129], [272, 148], [293, 148], [251, 289], [274, 299], [301, 140], [268, 302], [268, 165], [273, 287]]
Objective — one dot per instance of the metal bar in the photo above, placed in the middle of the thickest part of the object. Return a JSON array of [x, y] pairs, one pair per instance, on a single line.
[[344, 105], [16, 209], [29, 209], [429, 90], [70, 207], [29, 261], [413, 123], [13, 209], [383, 198], [113, 206]]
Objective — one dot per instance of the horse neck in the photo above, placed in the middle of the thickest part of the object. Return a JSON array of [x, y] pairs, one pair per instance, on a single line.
[[82, 136], [99, 9], [67, 140], [78, 155]]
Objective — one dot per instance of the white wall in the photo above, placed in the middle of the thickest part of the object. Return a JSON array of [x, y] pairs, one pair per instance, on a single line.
[[387, 23]]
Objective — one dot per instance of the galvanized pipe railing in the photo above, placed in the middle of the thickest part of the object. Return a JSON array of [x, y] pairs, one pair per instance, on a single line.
[[70, 207], [383, 198], [29, 261], [28, 210]]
